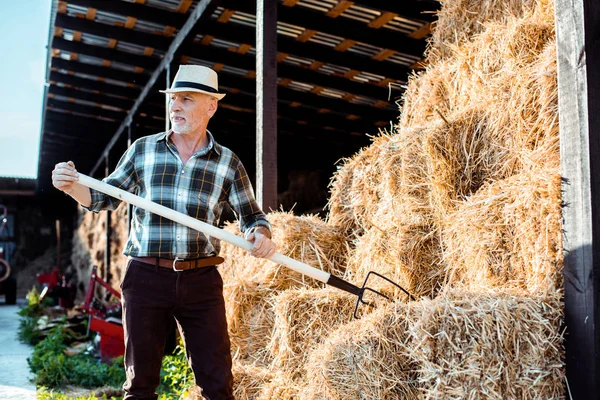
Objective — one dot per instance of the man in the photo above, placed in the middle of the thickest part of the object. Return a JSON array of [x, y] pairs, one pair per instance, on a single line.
[[172, 270]]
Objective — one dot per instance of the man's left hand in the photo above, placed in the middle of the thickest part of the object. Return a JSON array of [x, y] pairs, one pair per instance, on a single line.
[[263, 247]]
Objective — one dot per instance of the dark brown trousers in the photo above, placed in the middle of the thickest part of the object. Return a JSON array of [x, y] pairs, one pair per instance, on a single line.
[[152, 296]]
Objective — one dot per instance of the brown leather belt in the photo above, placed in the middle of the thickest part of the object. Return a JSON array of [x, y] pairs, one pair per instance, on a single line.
[[179, 264]]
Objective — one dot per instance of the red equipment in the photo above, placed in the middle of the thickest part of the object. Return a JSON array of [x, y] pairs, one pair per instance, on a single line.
[[54, 283], [105, 319]]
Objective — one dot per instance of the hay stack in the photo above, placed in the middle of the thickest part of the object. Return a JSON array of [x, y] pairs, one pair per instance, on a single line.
[[304, 238], [89, 245], [508, 235], [250, 283], [387, 211], [459, 345], [303, 317]]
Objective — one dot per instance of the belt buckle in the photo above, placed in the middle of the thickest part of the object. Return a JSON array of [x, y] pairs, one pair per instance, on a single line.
[[175, 264]]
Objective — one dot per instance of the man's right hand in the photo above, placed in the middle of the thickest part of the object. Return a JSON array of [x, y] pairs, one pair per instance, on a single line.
[[64, 176]]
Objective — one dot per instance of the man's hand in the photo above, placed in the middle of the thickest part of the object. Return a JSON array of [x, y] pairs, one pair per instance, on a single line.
[[263, 247], [64, 176]]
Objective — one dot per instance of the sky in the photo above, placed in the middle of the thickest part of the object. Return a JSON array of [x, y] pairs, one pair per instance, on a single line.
[[24, 27]]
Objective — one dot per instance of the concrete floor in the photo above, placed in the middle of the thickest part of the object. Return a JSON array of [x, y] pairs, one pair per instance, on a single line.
[[14, 371]]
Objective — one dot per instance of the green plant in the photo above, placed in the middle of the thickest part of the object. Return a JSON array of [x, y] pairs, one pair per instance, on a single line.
[[52, 368], [44, 393], [176, 375]]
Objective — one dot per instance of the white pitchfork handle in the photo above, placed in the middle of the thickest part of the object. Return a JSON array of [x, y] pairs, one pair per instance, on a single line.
[[200, 226]]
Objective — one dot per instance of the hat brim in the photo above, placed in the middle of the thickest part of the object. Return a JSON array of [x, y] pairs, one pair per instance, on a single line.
[[218, 96]]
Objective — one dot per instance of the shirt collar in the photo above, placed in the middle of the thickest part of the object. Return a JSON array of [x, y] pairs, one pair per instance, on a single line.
[[211, 141]]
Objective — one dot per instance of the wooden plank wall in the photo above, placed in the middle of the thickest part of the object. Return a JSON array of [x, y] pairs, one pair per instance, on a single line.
[[578, 43]]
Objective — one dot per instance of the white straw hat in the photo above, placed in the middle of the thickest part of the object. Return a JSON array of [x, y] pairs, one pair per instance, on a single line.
[[196, 78]]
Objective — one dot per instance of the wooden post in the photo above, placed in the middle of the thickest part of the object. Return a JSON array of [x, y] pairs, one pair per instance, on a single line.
[[106, 275], [167, 96], [578, 56], [266, 104], [129, 206]]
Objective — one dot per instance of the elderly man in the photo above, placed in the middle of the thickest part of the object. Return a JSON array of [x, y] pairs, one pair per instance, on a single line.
[[171, 269]]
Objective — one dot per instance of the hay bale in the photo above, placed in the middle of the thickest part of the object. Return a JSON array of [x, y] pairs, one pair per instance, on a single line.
[[489, 346], [302, 318], [365, 359], [381, 186], [304, 238], [459, 21], [508, 235], [281, 387], [409, 256], [458, 345], [390, 213], [493, 72], [249, 381], [249, 320]]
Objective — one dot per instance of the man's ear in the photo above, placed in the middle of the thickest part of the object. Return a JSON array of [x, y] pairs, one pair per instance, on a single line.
[[212, 107]]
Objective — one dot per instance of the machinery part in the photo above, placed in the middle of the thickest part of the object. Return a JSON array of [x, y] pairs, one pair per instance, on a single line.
[[4, 270]]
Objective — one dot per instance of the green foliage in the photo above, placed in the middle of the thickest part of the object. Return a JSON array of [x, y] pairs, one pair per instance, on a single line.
[[52, 368], [176, 375], [30, 314], [44, 394]]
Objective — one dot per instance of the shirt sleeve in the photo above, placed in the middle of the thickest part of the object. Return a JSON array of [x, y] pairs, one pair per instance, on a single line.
[[123, 177], [241, 199]]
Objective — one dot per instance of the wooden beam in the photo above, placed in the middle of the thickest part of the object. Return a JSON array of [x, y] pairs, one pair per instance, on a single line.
[[343, 27], [339, 8], [183, 6], [578, 49], [424, 10], [138, 11], [310, 50], [383, 19], [97, 112], [266, 104], [103, 52], [299, 74], [90, 84], [104, 71]]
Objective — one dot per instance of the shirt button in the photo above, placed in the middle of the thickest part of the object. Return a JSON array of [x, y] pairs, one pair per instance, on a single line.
[[182, 172], [179, 194]]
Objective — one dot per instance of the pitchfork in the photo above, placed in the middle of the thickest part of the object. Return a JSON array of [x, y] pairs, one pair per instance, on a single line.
[[235, 240]]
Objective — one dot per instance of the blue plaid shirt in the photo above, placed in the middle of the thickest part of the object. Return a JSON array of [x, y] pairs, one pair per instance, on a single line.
[[152, 169]]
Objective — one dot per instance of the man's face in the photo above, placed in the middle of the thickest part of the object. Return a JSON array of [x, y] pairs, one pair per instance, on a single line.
[[190, 111]]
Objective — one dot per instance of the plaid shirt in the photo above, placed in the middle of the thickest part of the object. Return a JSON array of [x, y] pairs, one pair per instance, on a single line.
[[152, 169]]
